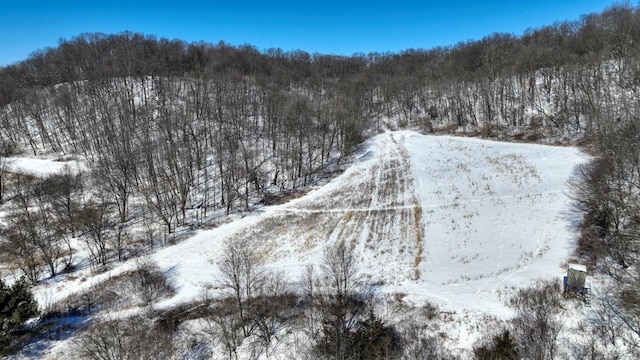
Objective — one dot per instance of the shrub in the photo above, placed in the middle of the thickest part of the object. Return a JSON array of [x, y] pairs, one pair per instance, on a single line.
[[501, 347], [537, 324], [132, 338], [150, 282]]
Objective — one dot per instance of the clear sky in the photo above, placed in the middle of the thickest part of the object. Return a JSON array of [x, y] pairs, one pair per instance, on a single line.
[[324, 26]]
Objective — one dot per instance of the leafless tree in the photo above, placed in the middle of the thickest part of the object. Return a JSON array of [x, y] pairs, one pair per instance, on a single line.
[[341, 303], [272, 312], [242, 277], [5, 151], [95, 220], [225, 326], [34, 234]]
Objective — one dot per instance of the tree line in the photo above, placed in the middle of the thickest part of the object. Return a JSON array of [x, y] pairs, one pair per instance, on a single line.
[[258, 313], [494, 81]]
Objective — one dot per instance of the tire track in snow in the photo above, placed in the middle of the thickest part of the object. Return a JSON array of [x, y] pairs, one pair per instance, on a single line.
[[347, 210], [379, 218]]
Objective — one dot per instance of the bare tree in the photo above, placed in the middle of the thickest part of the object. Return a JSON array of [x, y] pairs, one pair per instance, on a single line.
[[272, 312], [341, 302], [32, 236], [225, 326], [241, 277], [62, 195], [150, 281], [5, 151], [94, 219]]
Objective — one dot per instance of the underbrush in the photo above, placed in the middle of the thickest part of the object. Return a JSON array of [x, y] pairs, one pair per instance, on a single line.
[[82, 315], [138, 287]]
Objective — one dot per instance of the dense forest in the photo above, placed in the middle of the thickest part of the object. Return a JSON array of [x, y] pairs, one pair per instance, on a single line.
[[177, 135]]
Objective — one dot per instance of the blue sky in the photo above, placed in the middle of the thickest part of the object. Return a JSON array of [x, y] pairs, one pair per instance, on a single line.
[[326, 26]]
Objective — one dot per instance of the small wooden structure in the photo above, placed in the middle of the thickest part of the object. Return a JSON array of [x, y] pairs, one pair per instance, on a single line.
[[575, 283]]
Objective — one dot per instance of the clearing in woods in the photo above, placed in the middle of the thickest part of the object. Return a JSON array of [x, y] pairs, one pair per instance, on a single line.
[[455, 221]]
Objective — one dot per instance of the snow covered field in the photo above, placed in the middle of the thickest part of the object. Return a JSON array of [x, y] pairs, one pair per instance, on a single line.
[[454, 221], [41, 167], [448, 220], [494, 216]]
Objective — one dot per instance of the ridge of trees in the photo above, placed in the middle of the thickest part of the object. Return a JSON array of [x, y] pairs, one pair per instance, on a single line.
[[606, 198], [98, 56], [560, 80]]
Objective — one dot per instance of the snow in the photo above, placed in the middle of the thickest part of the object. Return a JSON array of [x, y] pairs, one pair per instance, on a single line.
[[578, 267], [455, 221], [41, 167], [493, 216]]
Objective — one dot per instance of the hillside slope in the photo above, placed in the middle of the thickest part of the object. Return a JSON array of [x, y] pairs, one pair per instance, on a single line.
[[454, 221], [444, 219]]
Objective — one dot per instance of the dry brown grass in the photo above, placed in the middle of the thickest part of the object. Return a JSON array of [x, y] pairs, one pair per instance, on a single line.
[[417, 215]]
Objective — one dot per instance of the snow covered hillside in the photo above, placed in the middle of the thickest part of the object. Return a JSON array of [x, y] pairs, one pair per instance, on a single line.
[[443, 219], [448, 220]]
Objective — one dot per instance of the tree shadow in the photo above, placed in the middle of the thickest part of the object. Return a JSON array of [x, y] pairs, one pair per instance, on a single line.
[[42, 336]]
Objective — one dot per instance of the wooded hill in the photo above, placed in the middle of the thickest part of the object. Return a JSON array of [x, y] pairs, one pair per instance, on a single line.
[[175, 136], [178, 134]]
